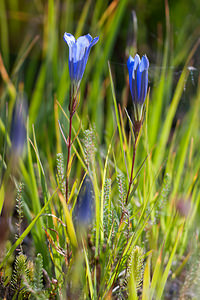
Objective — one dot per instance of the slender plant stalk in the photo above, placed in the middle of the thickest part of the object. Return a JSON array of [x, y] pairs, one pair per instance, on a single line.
[[130, 181], [137, 127], [73, 104], [71, 113], [131, 178], [68, 155]]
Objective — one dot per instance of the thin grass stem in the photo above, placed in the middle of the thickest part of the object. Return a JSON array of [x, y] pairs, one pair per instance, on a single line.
[[131, 178], [68, 154]]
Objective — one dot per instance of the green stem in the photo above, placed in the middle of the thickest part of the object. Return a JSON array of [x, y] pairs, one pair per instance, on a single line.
[[68, 155], [71, 113], [131, 178]]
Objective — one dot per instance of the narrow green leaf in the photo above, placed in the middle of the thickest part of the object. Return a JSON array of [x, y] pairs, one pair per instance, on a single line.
[[69, 222], [89, 276], [146, 281], [159, 154], [167, 269]]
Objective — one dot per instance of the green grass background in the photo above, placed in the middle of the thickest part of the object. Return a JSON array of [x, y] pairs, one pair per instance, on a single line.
[[164, 208]]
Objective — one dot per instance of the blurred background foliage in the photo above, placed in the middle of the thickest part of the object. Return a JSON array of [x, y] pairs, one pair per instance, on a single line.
[[23, 21], [34, 63]]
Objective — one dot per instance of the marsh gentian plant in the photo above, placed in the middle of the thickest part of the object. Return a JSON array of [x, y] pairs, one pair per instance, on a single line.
[[138, 81], [79, 51]]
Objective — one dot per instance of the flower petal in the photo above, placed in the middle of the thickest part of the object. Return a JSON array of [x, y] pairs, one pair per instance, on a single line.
[[69, 39], [85, 39], [144, 86], [130, 65], [144, 65], [83, 42], [139, 77], [71, 42], [136, 61], [95, 40]]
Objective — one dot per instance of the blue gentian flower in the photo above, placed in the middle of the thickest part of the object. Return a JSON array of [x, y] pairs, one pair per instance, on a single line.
[[138, 81], [79, 51], [85, 205], [18, 127]]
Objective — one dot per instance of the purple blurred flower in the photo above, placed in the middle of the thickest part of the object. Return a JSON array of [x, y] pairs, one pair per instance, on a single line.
[[18, 127], [85, 205], [138, 81], [79, 51]]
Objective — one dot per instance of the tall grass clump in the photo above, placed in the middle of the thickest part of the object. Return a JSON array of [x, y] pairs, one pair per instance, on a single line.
[[99, 152]]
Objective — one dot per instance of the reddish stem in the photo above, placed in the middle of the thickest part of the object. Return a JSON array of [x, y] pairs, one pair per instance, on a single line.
[[68, 154], [131, 178]]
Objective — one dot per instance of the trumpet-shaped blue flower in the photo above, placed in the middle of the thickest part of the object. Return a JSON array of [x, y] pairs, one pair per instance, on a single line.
[[85, 206], [138, 81], [79, 51], [18, 127]]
